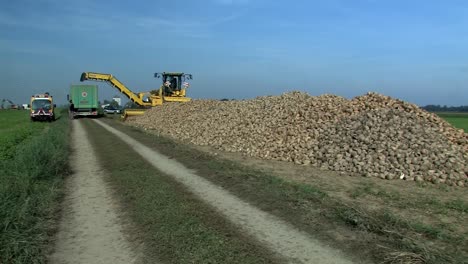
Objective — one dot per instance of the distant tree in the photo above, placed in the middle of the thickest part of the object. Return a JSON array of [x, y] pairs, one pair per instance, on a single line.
[[438, 108], [431, 108]]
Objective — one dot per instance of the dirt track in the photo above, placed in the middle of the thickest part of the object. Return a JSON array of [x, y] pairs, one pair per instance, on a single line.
[[277, 235], [90, 231]]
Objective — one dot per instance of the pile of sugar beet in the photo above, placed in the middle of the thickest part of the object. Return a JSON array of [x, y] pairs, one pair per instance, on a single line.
[[371, 135]]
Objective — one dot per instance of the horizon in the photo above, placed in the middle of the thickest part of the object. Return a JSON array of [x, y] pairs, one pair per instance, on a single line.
[[239, 49]]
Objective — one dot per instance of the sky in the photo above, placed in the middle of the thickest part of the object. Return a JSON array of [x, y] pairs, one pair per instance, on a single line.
[[415, 50]]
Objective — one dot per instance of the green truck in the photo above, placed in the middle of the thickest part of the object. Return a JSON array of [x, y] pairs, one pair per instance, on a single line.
[[83, 100]]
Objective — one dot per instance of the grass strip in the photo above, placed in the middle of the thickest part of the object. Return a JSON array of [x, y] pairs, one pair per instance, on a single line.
[[437, 206], [30, 191]]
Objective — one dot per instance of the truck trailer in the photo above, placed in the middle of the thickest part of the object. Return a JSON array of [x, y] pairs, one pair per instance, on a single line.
[[84, 100]]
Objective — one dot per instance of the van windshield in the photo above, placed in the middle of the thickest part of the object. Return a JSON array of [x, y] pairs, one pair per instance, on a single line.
[[41, 104]]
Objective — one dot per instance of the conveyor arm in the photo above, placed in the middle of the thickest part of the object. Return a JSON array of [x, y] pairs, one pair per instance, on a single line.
[[115, 83]]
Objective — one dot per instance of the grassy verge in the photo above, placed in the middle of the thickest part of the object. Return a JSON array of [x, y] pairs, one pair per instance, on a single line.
[[174, 226], [16, 127], [459, 120], [436, 206], [379, 236], [30, 191]]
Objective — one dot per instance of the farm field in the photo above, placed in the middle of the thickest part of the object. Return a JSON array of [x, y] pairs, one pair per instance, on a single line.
[[234, 131], [458, 120], [394, 220]]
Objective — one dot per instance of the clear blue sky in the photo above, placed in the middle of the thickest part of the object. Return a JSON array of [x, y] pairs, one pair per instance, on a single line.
[[413, 50]]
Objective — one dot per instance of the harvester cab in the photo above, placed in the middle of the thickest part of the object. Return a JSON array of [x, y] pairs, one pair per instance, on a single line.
[[174, 85]]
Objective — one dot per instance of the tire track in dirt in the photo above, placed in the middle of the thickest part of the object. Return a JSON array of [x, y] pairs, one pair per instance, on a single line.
[[272, 232], [90, 231]]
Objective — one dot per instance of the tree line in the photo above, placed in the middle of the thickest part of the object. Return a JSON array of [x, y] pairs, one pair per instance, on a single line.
[[444, 108]]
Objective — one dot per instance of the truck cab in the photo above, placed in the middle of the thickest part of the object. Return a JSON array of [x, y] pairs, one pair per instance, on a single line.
[[42, 107]]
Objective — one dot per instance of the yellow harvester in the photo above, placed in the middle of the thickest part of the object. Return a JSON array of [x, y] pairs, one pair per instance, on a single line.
[[173, 89]]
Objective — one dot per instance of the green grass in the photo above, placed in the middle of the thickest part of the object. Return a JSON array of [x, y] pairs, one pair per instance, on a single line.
[[174, 225], [30, 189], [458, 205], [458, 120], [430, 203], [371, 189], [15, 128]]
